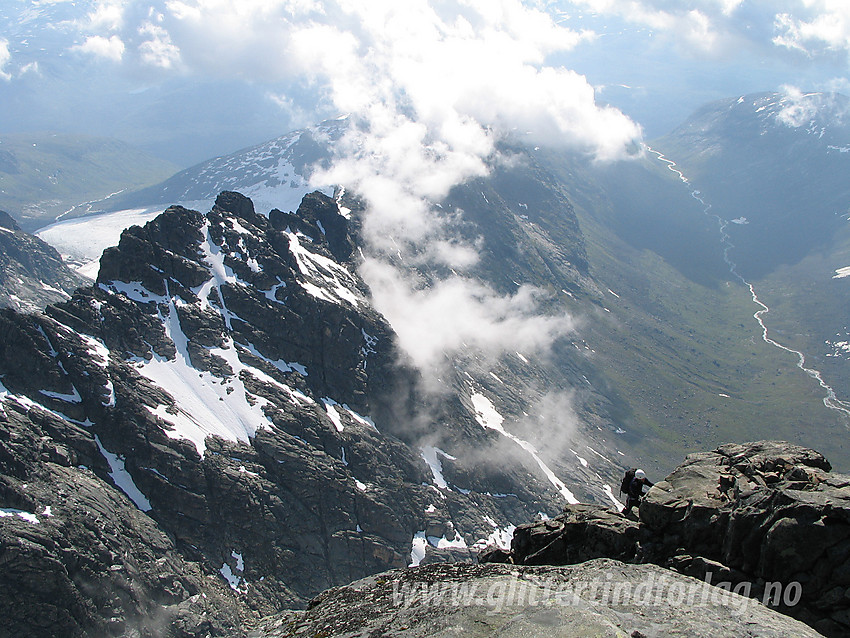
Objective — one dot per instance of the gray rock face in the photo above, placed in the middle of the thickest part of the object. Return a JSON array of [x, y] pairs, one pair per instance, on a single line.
[[583, 532], [768, 518], [768, 512], [77, 557], [274, 458], [598, 598], [32, 274]]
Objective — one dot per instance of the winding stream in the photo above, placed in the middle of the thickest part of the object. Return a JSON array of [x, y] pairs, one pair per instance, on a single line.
[[831, 401]]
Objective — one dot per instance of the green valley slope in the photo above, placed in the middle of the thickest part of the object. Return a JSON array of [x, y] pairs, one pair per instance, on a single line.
[[43, 175]]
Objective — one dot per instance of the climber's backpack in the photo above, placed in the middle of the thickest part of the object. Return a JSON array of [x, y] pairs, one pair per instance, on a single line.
[[628, 477]]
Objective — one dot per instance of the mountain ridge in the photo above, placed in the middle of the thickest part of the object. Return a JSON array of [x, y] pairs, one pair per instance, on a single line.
[[32, 273], [314, 477]]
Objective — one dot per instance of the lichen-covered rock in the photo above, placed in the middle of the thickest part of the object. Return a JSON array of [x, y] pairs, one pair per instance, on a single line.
[[597, 598]]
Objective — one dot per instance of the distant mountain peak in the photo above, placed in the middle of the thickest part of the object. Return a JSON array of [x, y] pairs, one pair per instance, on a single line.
[[821, 115]]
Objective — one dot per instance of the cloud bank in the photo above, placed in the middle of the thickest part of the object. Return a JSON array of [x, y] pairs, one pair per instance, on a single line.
[[823, 26], [5, 56], [430, 86]]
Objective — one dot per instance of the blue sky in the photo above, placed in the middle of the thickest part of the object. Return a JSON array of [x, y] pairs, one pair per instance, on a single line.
[[189, 79]]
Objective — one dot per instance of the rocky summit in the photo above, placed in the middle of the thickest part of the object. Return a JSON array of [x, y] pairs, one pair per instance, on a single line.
[[767, 519], [219, 428]]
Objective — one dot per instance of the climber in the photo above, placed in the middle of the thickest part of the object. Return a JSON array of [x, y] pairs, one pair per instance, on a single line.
[[634, 493]]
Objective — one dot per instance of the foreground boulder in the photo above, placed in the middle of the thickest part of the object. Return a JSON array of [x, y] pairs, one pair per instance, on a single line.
[[767, 512], [582, 533], [768, 519], [597, 598]]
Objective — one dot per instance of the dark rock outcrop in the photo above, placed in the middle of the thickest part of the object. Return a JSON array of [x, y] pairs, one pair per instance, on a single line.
[[768, 512], [8, 222], [597, 598], [219, 429], [32, 273], [765, 518], [583, 532]]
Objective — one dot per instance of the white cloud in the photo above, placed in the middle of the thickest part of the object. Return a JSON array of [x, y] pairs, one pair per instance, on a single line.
[[800, 109], [108, 16], [157, 49], [456, 314], [30, 67], [111, 48], [822, 24], [716, 26], [797, 109], [5, 57], [451, 60]]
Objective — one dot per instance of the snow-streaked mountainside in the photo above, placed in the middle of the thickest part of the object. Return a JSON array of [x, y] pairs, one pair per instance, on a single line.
[[227, 378], [775, 163], [822, 115], [32, 274], [274, 175], [228, 387]]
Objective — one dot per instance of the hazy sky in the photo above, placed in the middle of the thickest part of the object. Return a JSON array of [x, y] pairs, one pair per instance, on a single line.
[[190, 79]]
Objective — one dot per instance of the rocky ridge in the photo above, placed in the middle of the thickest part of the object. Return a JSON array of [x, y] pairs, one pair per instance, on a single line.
[[769, 519], [219, 429], [32, 273]]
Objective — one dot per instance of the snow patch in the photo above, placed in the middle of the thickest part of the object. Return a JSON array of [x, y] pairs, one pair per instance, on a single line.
[[501, 537], [85, 238], [489, 418], [418, 548], [363, 420], [431, 455], [221, 275], [67, 398], [443, 543], [29, 517], [318, 269], [132, 290], [421, 542], [205, 404], [121, 477], [333, 415], [234, 579], [610, 494], [271, 293], [841, 273]]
